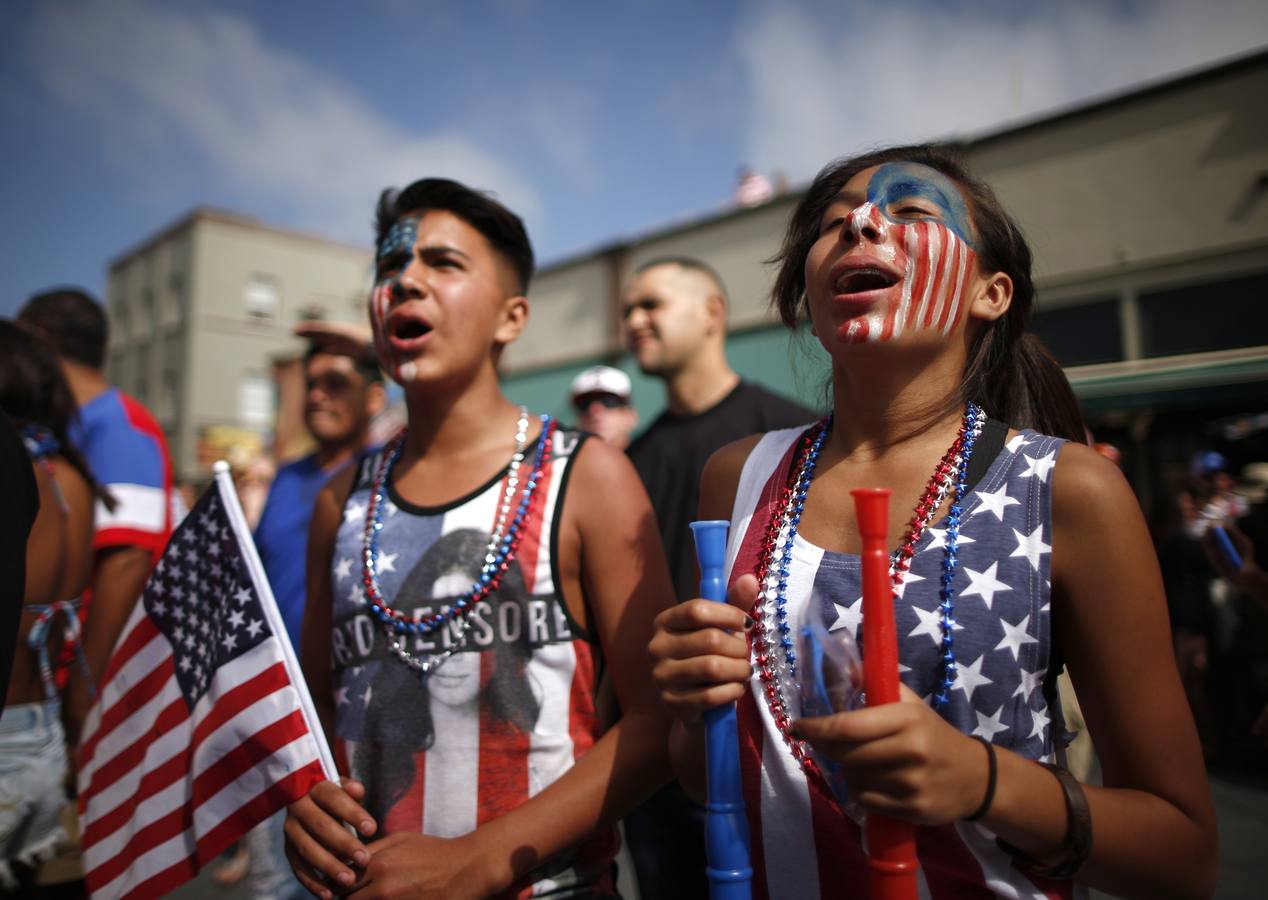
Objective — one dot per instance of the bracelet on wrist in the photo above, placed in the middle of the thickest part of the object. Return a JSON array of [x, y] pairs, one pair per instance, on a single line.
[[1076, 846], [992, 773]]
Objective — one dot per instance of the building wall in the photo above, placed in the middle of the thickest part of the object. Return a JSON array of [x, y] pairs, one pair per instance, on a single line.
[[1121, 202], [234, 292], [147, 300], [1171, 175]]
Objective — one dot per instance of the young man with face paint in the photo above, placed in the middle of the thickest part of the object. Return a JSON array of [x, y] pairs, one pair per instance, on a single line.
[[567, 589], [1024, 552]]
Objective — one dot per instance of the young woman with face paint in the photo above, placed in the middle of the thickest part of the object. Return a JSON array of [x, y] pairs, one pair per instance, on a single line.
[[464, 707], [1026, 551]]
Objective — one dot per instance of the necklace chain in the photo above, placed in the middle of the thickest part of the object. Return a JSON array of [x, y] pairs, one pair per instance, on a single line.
[[772, 634], [501, 550]]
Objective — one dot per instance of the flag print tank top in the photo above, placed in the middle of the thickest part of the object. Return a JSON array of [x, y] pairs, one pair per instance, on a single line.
[[504, 716], [803, 843]]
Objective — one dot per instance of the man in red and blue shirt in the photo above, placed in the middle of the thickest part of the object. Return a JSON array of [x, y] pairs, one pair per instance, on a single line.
[[127, 454]]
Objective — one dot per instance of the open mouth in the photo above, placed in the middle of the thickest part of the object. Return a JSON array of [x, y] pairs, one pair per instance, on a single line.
[[858, 281], [409, 329]]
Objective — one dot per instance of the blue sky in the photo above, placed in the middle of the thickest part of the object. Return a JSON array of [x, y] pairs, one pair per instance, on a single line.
[[596, 120]]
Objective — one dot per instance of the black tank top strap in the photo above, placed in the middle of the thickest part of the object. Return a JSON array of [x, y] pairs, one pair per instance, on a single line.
[[989, 443]]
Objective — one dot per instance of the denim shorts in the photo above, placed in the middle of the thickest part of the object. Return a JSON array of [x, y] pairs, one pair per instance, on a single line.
[[32, 785]]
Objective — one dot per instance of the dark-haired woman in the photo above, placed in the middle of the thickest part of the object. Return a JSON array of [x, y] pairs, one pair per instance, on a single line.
[[1026, 551], [35, 398]]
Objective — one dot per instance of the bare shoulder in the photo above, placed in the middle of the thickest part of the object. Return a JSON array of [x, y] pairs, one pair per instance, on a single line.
[[1087, 487], [330, 501], [721, 477], [597, 459], [604, 487]]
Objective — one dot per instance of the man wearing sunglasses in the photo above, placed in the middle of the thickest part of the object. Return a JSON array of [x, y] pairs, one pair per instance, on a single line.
[[601, 397], [343, 392]]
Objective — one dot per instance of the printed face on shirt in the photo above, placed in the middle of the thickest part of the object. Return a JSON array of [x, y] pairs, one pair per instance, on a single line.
[[895, 257], [439, 294], [456, 682]]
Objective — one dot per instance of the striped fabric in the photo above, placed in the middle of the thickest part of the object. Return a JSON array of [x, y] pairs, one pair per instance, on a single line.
[[501, 719], [199, 732], [127, 453], [803, 844]]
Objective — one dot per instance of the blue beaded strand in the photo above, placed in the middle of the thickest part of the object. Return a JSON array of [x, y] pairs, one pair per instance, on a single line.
[[973, 421]]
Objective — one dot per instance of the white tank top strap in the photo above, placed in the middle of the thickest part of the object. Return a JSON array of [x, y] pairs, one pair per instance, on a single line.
[[757, 470]]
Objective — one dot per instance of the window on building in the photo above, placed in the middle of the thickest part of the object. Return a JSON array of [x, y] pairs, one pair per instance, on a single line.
[[1219, 315], [117, 366], [260, 296], [146, 316], [169, 402], [175, 305], [255, 400], [141, 385], [119, 324], [1082, 334]]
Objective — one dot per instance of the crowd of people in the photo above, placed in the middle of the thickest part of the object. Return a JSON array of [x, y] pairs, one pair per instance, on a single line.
[[496, 613]]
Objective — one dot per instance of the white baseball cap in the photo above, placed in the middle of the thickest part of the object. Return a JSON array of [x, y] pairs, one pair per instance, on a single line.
[[600, 380]]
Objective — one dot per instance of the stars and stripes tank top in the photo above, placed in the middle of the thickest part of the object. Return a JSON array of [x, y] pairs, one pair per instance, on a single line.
[[803, 843], [503, 717]]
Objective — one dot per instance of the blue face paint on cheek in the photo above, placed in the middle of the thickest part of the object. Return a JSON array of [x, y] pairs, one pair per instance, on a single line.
[[910, 181]]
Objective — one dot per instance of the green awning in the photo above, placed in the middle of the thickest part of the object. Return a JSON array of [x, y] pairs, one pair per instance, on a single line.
[[1189, 384]]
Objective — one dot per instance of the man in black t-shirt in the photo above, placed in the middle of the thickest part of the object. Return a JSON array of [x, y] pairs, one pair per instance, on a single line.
[[674, 322], [673, 315]]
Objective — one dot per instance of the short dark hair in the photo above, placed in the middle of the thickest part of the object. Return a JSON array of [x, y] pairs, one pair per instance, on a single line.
[[1009, 371], [501, 228], [690, 263], [367, 364], [71, 321]]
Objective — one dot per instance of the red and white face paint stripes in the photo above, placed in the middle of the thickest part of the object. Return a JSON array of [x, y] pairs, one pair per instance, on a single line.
[[936, 265], [380, 304]]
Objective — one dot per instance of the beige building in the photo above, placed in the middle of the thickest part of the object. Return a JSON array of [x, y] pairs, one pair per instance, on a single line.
[[1148, 217], [201, 312]]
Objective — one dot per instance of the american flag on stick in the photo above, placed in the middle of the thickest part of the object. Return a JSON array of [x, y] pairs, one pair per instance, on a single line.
[[203, 725]]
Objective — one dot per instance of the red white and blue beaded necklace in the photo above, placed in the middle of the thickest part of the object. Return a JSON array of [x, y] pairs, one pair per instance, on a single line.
[[503, 544], [772, 634]]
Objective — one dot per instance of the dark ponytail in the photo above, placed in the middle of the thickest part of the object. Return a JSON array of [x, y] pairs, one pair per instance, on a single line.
[[1009, 371], [1021, 383], [33, 391]]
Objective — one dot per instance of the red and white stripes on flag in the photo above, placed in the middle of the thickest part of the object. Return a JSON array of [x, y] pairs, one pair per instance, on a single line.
[[203, 726]]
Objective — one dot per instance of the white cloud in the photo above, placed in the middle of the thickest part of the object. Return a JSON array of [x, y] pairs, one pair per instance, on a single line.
[[156, 80], [874, 74]]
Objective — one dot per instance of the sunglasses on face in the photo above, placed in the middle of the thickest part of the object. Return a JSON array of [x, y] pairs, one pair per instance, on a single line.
[[607, 401]]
